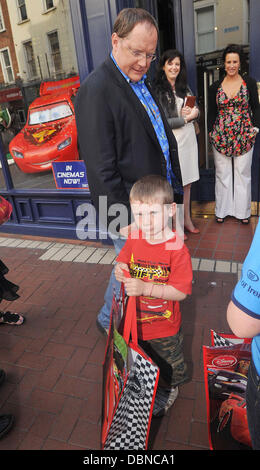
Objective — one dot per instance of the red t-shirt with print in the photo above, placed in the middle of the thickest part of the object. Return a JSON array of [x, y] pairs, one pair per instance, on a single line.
[[163, 263]]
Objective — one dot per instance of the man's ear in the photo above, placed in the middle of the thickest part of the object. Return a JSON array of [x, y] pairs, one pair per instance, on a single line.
[[114, 40]]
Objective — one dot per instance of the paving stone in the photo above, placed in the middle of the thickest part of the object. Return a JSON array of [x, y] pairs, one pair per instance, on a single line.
[[59, 255], [223, 266], [97, 255], [195, 263], [73, 253], [51, 252], [84, 255], [207, 265], [109, 257]]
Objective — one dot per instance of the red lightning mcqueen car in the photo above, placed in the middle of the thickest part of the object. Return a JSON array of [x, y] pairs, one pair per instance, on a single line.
[[50, 132]]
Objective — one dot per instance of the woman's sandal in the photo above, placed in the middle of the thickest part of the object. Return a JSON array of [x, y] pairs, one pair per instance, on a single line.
[[245, 221], [219, 220], [11, 318]]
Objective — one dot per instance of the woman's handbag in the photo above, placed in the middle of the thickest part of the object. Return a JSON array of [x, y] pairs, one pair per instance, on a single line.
[[130, 381], [5, 210]]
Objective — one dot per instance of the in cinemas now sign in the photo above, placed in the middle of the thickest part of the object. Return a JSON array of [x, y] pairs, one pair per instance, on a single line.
[[70, 175]]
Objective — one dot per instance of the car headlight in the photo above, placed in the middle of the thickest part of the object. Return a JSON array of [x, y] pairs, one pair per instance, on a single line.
[[64, 144], [18, 154]]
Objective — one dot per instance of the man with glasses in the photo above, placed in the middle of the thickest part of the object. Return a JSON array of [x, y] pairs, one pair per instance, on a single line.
[[122, 131]]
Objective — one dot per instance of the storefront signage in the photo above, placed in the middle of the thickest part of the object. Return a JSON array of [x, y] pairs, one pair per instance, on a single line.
[[231, 29], [69, 175], [11, 94]]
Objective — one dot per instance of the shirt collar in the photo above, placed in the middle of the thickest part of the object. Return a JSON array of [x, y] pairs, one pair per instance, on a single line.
[[140, 82]]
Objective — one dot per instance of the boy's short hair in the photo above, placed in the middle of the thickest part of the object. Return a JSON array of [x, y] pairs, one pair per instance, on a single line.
[[151, 188]]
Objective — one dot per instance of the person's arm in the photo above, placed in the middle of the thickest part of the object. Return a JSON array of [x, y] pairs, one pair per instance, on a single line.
[[254, 101], [178, 285], [176, 122], [242, 324], [136, 287]]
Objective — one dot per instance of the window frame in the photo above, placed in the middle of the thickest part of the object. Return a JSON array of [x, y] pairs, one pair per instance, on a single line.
[[48, 34], [49, 8], [2, 20], [4, 68], [27, 63], [19, 9], [198, 6]]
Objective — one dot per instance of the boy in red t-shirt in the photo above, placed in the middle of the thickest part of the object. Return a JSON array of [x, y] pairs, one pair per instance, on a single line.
[[161, 276]]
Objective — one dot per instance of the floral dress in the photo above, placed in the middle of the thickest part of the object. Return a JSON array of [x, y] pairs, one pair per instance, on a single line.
[[233, 133]]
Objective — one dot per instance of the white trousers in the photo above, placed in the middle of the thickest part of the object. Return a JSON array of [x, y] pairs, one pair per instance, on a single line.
[[233, 185]]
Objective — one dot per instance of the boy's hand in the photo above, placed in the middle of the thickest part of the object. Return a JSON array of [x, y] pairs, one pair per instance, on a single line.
[[134, 287], [119, 275]]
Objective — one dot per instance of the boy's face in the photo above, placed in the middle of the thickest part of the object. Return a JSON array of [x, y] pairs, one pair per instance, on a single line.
[[152, 219]]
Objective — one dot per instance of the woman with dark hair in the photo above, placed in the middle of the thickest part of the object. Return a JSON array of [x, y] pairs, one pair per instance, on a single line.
[[172, 90], [233, 123]]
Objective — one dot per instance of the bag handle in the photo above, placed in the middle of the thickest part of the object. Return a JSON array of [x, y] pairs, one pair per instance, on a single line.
[[130, 323]]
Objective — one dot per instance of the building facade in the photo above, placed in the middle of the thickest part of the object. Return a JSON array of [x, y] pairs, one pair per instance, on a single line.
[[43, 38]]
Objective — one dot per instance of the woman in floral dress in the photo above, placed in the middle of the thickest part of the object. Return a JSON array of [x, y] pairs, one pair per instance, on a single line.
[[233, 123]]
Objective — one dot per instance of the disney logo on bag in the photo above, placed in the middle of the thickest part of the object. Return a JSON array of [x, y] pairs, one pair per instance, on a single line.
[[135, 385], [252, 275], [224, 361]]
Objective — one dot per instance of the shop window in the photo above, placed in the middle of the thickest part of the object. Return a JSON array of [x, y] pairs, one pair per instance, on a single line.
[[22, 10], [6, 66]]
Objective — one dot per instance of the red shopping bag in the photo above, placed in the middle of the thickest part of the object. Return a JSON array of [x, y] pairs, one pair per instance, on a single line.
[[226, 364], [130, 381]]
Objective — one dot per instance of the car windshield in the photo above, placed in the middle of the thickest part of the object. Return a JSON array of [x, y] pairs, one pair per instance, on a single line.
[[49, 113]]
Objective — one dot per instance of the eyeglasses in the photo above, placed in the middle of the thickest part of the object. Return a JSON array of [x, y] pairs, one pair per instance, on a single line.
[[139, 55]]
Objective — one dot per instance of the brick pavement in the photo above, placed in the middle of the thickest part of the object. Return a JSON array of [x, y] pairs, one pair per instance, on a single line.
[[54, 361]]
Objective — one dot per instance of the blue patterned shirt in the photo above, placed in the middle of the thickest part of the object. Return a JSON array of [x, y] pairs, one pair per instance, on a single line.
[[153, 112]]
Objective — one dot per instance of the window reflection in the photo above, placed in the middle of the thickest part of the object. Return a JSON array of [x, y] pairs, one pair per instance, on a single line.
[[216, 24], [49, 113], [36, 46]]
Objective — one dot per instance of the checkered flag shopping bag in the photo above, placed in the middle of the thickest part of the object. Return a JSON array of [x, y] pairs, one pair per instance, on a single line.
[[130, 381], [226, 364]]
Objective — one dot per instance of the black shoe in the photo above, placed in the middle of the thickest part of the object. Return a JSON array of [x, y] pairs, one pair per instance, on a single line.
[[101, 328], [6, 423], [2, 376], [164, 399]]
